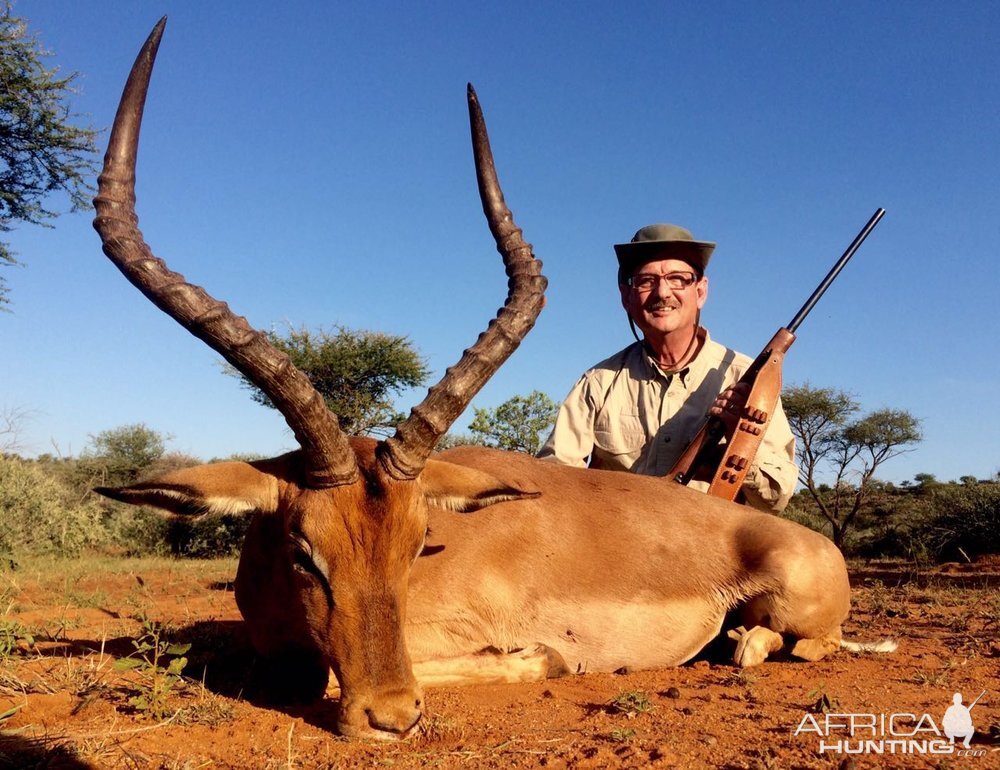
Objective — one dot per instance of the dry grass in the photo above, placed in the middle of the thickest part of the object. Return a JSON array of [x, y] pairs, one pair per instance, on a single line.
[[129, 669]]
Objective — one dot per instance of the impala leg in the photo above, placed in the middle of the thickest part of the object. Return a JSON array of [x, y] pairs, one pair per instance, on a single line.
[[808, 630], [753, 646], [490, 666], [803, 611], [817, 648]]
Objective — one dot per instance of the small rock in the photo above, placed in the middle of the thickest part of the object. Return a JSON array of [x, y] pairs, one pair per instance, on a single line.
[[623, 670], [673, 692], [711, 740]]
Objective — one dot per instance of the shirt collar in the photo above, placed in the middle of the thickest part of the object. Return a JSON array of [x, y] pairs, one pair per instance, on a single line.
[[696, 364]]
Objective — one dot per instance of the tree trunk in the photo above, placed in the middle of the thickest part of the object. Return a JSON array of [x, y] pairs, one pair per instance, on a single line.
[[838, 534]]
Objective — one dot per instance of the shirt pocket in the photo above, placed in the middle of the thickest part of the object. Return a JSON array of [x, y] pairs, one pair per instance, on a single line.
[[620, 434]]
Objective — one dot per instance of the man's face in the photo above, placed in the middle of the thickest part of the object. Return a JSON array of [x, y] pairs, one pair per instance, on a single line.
[[658, 309]]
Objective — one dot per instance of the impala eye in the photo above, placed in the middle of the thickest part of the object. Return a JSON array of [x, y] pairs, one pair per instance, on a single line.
[[309, 563], [301, 553], [302, 562]]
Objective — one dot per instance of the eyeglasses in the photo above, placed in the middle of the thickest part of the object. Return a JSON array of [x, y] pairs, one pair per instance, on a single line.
[[648, 281]]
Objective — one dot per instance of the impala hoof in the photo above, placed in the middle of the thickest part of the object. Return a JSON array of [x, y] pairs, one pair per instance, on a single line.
[[753, 646], [557, 666]]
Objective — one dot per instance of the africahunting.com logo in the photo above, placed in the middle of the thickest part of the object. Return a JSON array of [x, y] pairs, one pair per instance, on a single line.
[[902, 733]]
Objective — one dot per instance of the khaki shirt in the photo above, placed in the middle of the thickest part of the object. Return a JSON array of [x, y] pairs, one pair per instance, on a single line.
[[627, 414]]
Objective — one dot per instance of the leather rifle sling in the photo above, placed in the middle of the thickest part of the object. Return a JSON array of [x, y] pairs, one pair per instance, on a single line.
[[755, 416]]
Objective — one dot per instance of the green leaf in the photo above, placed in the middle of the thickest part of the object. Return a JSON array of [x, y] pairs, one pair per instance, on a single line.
[[178, 649]]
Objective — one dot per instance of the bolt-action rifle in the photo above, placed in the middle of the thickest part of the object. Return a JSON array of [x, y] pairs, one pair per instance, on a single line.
[[723, 456]]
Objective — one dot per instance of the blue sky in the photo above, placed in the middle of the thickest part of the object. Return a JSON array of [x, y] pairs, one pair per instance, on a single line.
[[309, 163]]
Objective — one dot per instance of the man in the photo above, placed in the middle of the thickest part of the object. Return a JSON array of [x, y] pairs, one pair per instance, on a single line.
[[639, 409]]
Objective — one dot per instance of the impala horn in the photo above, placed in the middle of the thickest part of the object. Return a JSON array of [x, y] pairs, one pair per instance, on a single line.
[[404, 454], [330, 461]]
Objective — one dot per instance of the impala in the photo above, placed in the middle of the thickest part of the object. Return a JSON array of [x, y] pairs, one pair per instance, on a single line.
[[393, 567]]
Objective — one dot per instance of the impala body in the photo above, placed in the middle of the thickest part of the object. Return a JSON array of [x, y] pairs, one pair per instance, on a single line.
[[391, 566], [611, 569], [528, 570]]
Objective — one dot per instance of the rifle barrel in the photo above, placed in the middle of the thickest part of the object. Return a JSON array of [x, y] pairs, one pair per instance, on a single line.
[[832, 275]]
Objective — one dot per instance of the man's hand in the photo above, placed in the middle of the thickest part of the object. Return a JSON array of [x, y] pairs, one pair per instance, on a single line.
[[729, 405]]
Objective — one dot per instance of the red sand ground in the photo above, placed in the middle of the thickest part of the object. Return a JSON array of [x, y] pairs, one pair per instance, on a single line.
[[63, 704]]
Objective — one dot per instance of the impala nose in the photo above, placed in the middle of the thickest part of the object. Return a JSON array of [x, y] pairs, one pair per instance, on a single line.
[[397, 715], [381, 720]]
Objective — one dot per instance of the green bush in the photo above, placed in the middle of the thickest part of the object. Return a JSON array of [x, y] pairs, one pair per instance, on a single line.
[[46, 507], [41, 515], [926, 523], [965, 516], [132, 531], [864, 538], [208, 538]]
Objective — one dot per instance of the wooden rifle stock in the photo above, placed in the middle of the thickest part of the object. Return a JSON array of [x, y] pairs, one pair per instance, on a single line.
[[723, 458], [725, 465]]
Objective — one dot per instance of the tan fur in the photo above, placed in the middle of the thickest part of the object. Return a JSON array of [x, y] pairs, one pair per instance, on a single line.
[[613, 570], [596, 569]]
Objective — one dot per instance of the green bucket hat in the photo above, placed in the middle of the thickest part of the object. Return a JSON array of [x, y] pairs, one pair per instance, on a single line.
[[663, 242]]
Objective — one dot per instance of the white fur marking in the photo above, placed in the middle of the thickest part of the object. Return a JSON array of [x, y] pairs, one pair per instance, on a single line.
[[461, 504], [208, 505], [881, 646]]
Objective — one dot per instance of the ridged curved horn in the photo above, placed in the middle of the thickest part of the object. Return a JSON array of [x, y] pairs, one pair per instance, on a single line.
[[405, 453], [330, 459]]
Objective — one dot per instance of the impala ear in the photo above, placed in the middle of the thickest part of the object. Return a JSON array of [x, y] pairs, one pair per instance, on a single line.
[[203, 490], [457, 488]]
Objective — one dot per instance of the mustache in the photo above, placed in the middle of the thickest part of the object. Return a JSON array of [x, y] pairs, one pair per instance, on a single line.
[[658, 304]]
